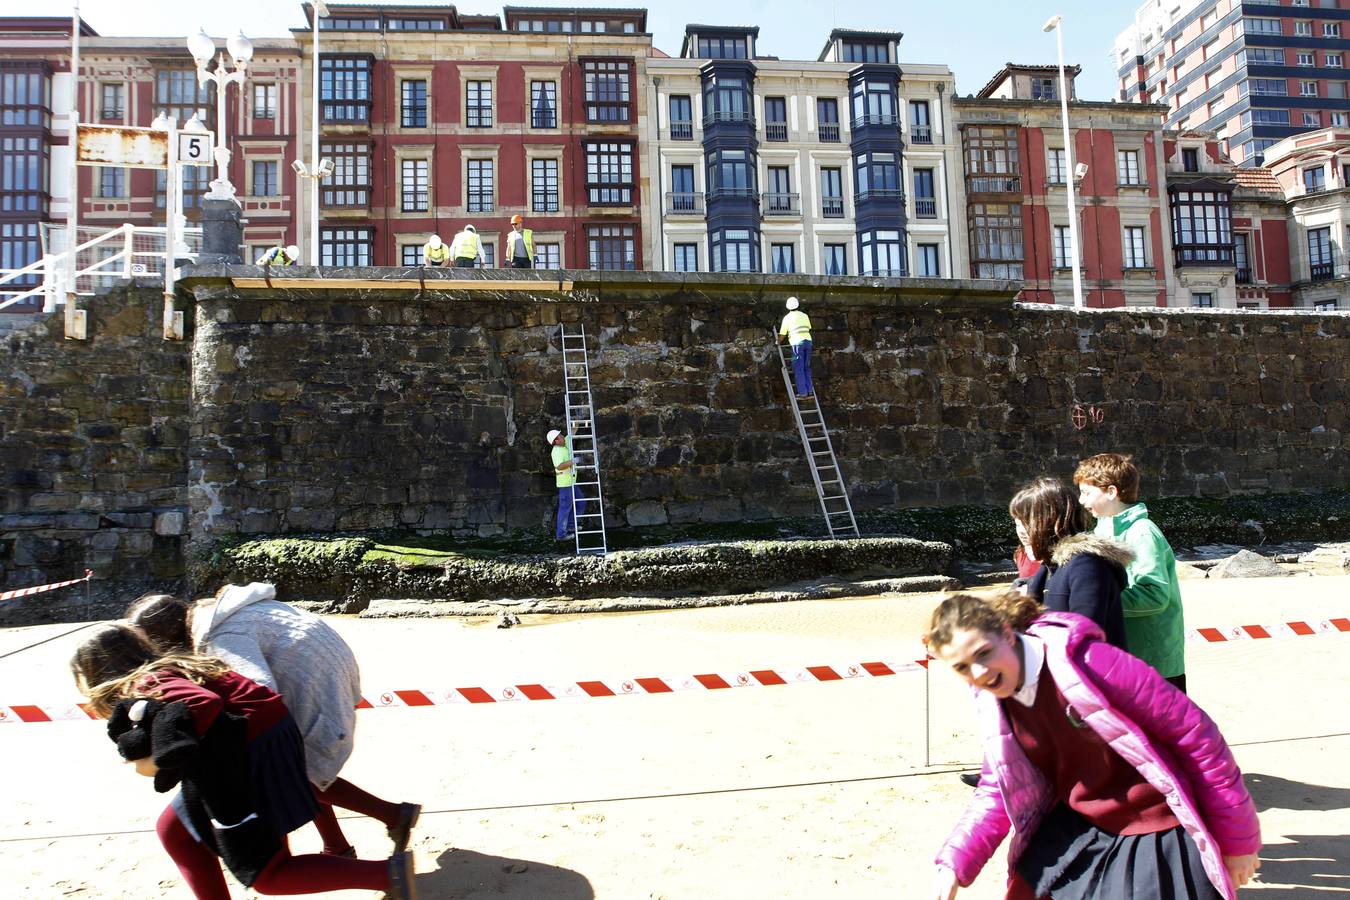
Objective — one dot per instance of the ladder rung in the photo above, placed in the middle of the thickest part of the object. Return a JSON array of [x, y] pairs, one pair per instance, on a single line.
[[835, 497]]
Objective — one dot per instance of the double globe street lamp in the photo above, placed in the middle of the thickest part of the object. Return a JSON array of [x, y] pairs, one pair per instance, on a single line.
[[222, 230]]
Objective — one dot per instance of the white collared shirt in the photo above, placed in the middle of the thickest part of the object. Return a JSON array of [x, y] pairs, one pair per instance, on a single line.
[[1033, 660]]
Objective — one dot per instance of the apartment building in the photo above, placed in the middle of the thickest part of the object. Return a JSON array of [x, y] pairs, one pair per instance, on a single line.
[[1016, 177], [1253, 73], [437, 119], [835, 166], [1313, 173]]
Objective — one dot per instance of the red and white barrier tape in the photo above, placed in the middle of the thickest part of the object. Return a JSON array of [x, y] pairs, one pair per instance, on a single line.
[[578, 690], [42, 588]]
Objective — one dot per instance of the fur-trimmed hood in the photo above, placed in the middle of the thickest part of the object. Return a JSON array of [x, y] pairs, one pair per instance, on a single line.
[[1087, 542]]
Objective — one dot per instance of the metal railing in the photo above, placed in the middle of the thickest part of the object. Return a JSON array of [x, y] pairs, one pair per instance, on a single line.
[[1323, 271], [773, 204], [727, 193], [994, 184], [1244, 276], [925, 208], [832, 207], [877, 195], [875, 121], [829, 132], [1315, 188], [681, 131], [721, 117], [920, 134], [684, 203], [775, 131]]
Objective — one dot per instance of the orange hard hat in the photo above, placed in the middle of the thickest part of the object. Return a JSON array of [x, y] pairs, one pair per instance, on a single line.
[[516, 219]]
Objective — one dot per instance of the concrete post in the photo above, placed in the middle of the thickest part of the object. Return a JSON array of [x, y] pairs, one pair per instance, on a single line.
[[222, 232]]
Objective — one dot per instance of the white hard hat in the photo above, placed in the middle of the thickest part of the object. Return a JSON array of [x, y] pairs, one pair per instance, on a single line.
[[293, 251], [554, 435], [470, 228], [435, 241], [793, 303]]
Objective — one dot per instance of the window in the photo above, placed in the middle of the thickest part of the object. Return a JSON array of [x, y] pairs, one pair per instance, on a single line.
[[489, 260], [112, 181], [344, 88], [726, 98], [1265, 117], [827, 119], [20, 247], [415, 24], [1135, 255], [346, 23], [264, 101], [1307, 89], [1314, 180], [730, 174], [835, 259], [1331, 29], [1240, 259], [920, 128], [179, 95], [1262, 26], [881, 254], [1306, 59], [1207, 52], [548, 256], [1324, 305], [25, 97], [779, 198], [478, 104], [609, 173], [345, 246], [686, 257], [873, 103], [1127, 167], [195, 181], [735, 250], [608, 90], [1340, 120], [266, 178], [723, 48], [877, 175], [478, 196], [611, 247], [1333, 61], [24, 173], [544, 185], [1265, 56], [926, 261], [775, 119], [409, 255], [1205, 300], [349, 185], [1202, 228], [110, 101], [1056, 166], [1062, 242], [1268, 87], [681, 118], [413, 103], [996, 240], [414, 175], [784, 258], [1302, 29], [857, 52], [1044, 89], [683, 197], [1190, 160], [543, 104], [832, 193], [925, 201], [1208, 19], [1312, 120]]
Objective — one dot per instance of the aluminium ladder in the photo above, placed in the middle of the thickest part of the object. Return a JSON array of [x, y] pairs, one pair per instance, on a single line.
[[588, 522], [825, 472]]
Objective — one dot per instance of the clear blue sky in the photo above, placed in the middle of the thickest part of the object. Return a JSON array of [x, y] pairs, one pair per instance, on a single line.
[[973, 37]]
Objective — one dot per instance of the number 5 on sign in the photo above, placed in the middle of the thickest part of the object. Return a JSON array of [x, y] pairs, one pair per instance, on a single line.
[[194, 148]]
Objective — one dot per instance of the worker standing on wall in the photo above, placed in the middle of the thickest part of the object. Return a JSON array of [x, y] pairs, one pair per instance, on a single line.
[[280, 256], [565, 477], [520, 244], [467, 249], [435, 253], [796, 328]]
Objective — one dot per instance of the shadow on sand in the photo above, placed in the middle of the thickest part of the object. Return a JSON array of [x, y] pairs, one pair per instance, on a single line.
[[466, 875], [1273, 792], [1311, 863]]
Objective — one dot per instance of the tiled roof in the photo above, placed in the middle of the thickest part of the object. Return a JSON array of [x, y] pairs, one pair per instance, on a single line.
[[1008, 68], [1258, 179]]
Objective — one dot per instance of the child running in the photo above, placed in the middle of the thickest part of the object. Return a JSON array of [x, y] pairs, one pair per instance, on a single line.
[[1108, 486], [1115, 785], [298, 655], [118, 663]]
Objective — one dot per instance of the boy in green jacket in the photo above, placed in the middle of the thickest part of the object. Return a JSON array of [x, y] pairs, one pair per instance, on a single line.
[[1108, 487]]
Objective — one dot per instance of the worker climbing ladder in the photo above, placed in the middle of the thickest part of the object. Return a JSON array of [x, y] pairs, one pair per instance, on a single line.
[[588, 513], [830, 489]]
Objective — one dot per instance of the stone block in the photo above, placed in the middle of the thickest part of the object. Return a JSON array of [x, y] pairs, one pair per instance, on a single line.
[[646, 512], [1246, 564], [170, 523]]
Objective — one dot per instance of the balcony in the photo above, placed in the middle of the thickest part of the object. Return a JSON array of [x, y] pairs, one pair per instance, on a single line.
[[775, 131], [832, 207], [920, 134], [925, 208], [684, 203], [875, 121], [781, 204], [885, 273], [880, 195], [1323, 271], [1208, 255], [732, 193], [1244, 276], [994, 184], [1319, 188], [681, 131], [829, 132], [729, 117]]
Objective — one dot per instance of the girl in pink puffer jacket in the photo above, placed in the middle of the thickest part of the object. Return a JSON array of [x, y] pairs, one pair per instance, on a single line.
[[1114, 783]]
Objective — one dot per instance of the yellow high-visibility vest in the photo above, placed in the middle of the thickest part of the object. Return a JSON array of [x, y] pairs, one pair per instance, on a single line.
[[465, 245], [796, 326], [435, 254], [512, 239]]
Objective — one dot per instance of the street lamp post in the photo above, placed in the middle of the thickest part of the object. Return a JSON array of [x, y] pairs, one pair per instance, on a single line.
[[222, 231], [1056, 24], [318, 10]]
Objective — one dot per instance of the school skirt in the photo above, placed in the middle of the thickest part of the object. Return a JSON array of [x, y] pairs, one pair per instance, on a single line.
[[1071, 859]]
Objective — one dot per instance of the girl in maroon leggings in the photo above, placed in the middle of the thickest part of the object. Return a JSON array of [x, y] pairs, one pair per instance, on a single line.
[[240, 758]]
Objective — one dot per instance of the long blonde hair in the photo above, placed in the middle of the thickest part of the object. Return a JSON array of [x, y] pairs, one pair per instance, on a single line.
[[118, 661]]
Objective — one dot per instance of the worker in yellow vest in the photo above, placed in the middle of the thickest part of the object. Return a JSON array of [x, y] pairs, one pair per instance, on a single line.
[[467, 249], [796, 328], [280, 256], [520, 245], [434, 252]]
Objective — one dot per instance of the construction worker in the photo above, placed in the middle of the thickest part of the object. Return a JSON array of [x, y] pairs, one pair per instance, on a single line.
[[520, 245], [280, 256], [467, 249], [796, 328], [435, 253], [565, 477]]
